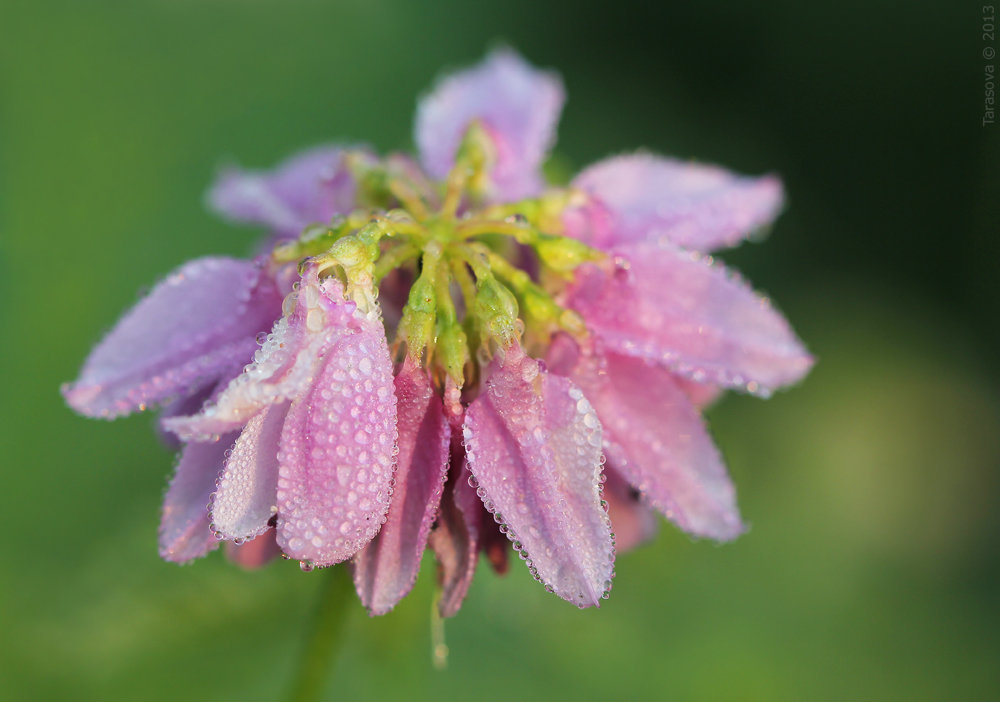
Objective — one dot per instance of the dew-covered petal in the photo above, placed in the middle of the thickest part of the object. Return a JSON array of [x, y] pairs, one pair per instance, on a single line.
[[184, 526], [384, 572], [589, 220], [518, 106], [244, 502], [455, 538], [309, 187], [336, 457], [632, 521], [495, 545], [254, 554], [701, 394], [284, 365], [534, 446], [692, 205], [680, 309], [656, 438], [184, 334], [183, 406]]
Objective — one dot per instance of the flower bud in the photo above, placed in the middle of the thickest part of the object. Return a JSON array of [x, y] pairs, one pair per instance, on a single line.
[[496, 309], [419, 316], [453, 349], [563, 254]]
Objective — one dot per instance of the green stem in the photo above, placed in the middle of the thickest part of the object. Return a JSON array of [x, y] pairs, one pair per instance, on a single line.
[[465, 282], [394, 258], [523, 234], [467, 286], [316, 662], [409, 198], [454, 187], [439, 649], [442, 284]]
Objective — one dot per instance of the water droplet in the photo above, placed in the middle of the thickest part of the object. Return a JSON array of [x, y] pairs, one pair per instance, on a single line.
[[343, 474]]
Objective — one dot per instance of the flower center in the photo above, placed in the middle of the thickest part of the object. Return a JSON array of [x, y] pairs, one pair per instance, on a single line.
[[467, 263]]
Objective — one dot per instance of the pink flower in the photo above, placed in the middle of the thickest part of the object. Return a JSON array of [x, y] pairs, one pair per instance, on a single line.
[[336, 445]]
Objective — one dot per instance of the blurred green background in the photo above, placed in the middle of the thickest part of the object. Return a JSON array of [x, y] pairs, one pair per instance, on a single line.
[[871, 570]]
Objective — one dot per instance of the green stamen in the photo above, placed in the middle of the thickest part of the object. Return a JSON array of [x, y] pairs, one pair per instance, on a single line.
[[409, 198], [394, 258], [472, 252], [420, 314], [538, 305]]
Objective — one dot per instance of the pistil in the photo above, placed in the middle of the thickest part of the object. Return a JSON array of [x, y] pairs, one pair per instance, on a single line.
[[456, 246]]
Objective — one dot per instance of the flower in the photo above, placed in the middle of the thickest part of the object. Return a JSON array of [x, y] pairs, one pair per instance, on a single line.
[[398, 398]]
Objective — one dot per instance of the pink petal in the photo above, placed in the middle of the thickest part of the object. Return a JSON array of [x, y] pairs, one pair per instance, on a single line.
[[193, 327], [534, 446], [697, 318], [455, 538], [384, 572], [692, 205], [495, 544], [633, 522], [519, 107], [590, 221], [184, 531], [246, 498], [656, 439], [182, 406], [284, 365], [254, 554], [336, 457], [309, 187], [700, 394]]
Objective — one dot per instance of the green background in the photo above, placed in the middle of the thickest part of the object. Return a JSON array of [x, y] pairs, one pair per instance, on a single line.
[[871, 569]]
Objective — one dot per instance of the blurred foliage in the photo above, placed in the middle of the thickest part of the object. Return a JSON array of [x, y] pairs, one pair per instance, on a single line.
[[871, 568]]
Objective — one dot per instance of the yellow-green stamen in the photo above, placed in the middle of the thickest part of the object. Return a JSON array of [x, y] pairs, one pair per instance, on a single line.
[[454, 248]]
